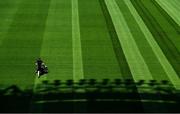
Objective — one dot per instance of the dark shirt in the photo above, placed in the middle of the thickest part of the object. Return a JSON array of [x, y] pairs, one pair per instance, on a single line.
[[39, 63]]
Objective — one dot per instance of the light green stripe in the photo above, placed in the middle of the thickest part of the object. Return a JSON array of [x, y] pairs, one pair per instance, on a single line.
[[155, 47], [56, 50], [76, 42], [176, 4], [134, 58]]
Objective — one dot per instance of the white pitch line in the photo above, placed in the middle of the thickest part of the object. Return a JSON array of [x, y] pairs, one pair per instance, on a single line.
[[76, 43], [155, 47], [134, 58]]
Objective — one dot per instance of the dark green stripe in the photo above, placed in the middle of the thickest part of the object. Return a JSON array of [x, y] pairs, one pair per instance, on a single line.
[[99, 59]]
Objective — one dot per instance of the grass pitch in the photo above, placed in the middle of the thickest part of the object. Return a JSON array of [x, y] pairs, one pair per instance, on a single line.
[[134, 39]]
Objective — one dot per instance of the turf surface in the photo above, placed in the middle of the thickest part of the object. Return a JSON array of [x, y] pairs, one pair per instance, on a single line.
[[172, 8], [143, 45], [56, 49], [157, 24], [22, 42], [132, 53], [78, 39], [99, 59], [124, 67], [153, 44]]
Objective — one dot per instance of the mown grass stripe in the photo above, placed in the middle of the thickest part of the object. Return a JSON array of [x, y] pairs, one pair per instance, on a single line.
[[125, 70], [76, 42], [99, 58], [56, 43], [162, 39], [163, 19], [56, 50], [172, 34], [142, 44], [170, 9], [131, 44], [135, 60], [169, 20], [155, 47]]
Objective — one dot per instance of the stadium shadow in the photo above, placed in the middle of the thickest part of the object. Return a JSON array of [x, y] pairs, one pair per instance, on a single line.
[[104, 96]]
